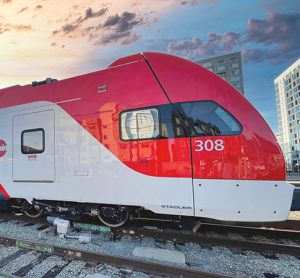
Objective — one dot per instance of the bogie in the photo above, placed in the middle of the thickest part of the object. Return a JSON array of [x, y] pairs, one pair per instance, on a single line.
[[113, 216]]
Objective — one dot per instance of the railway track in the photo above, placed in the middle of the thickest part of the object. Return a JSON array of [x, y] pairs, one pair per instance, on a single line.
[[271, 241], [238, 243], [274, 242], [69, 254]]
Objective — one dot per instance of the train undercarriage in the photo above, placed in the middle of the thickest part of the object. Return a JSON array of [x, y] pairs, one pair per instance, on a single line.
[[112, 216]]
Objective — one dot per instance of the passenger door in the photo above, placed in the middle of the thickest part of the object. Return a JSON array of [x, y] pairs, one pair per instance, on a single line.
[[34, 147], [215, 149]]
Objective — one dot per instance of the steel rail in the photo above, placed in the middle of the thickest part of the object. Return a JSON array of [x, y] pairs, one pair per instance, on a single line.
[[134, 264], [262, 247], [261, 231], [7, 275]]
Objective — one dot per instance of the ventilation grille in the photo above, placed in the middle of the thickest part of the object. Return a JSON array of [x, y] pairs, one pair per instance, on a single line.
[[101, 89]]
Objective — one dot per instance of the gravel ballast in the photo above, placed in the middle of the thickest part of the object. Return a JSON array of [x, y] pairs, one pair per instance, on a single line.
[[211, 259]]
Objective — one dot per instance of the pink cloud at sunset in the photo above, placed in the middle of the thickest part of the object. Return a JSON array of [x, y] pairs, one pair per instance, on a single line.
[[41, 38]]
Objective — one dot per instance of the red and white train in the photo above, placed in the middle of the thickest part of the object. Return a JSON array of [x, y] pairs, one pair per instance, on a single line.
[[152, 131]]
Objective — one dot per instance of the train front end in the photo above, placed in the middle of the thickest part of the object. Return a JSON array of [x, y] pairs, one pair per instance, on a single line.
[[238, 169]]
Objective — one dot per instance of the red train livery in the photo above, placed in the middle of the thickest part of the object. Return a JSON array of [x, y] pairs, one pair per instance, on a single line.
[[151, 132]]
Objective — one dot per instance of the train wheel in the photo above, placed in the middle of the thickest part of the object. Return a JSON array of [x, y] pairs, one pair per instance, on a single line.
[[113, 216], [33, 211]]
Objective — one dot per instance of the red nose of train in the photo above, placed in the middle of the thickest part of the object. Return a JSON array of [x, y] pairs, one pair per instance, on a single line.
[[238, 143], [238, 169]]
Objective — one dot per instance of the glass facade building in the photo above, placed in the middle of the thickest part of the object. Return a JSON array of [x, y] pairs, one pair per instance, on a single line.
[[227, 66], [287, 92]]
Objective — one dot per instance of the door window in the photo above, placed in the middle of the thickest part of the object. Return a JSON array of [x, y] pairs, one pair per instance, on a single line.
[[33, 141]]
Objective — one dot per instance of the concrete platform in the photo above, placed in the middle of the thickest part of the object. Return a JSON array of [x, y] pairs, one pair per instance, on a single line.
[[159, 254]]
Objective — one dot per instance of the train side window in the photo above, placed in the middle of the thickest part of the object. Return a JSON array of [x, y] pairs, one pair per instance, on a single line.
[[171, 126], [140, 124], [207, 118], [33, 141]]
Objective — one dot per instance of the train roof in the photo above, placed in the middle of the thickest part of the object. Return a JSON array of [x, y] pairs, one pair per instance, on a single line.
[[48, 81]]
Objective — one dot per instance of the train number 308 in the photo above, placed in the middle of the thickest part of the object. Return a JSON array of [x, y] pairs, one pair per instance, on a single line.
[[209, 145]]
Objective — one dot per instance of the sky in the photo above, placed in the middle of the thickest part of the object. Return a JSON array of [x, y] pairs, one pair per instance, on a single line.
[[60, 39]]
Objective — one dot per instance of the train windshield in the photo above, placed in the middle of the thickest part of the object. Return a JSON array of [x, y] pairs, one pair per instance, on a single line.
[[207, 118]]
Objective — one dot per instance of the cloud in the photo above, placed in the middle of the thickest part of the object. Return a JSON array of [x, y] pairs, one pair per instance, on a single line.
[[268, 31], [117, 28], [184, 46], [277, 38], [67, 28], [14, 27], [123, 38], [111, 37], [110, 22], [3, 30], [274, 39], [195, 2], [273, 56], [22, 28], [70, 27], [196, 48], [122, 23], [23, 10], [90, 14], [133, 37]]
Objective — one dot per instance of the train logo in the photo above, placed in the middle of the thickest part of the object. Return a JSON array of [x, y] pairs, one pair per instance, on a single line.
[[3, 148]]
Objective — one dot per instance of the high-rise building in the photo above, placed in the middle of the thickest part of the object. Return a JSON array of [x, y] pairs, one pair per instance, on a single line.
[[287, 91], [227, 66]]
